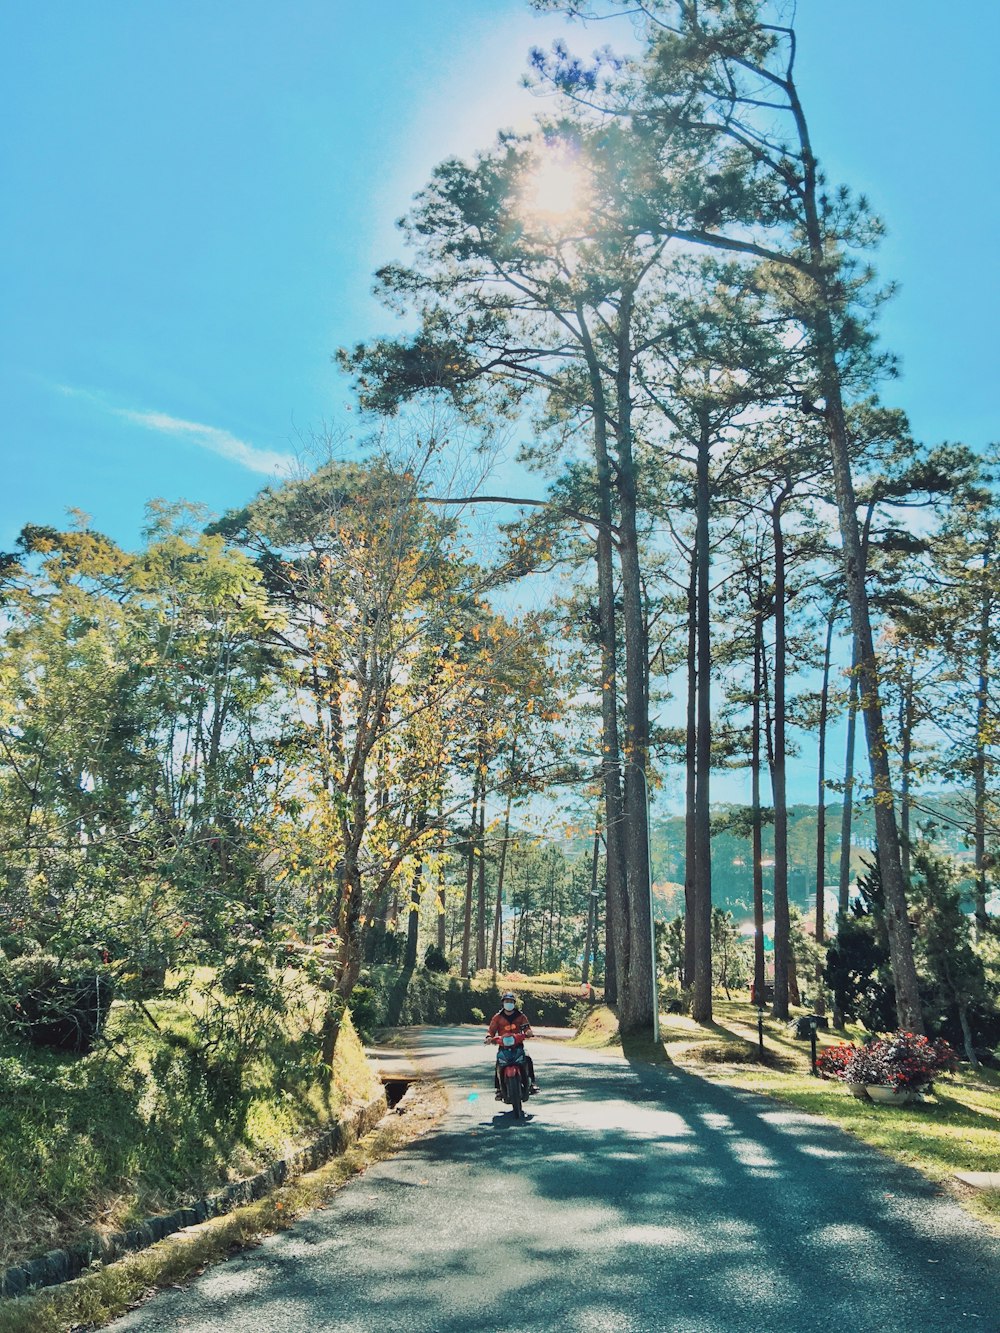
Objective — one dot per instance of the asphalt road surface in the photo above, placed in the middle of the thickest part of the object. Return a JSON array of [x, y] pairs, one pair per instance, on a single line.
[[632, 1200]]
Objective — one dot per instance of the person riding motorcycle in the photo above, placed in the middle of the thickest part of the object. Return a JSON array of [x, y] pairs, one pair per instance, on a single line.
[[511, 1018]]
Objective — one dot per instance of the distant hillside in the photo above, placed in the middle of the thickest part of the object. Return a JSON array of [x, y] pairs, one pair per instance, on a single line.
[[732, 880]]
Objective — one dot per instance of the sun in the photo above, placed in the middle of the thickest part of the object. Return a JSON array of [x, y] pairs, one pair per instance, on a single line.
[[554, 187]]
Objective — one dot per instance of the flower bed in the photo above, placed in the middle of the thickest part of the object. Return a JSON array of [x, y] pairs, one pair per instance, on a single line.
[[903, 1062], [833, 1060]]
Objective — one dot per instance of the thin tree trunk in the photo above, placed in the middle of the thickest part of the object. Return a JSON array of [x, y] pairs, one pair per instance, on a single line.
[[757, 844], [496, 944], [847, 813], [470, 878], [983, 685], [416, 889], [481, 883], [819, 1006], [690, 758], [905, 765], [592, 906], [908, 1007], [781, 919], [970, 1050], [701, 1004]]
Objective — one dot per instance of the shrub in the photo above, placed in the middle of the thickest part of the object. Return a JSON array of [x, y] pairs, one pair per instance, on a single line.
[[61, 1004], [904, 1060], [675, 999], [435, 961], [833, 1061], [477, 1015], [365, 1011]]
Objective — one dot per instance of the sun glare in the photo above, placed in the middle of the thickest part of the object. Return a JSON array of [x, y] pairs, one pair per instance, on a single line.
[[553, 189]]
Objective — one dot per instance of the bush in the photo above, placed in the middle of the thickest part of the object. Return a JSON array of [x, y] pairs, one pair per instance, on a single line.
[[802, 1027], [903, 1060], [60, 1004], [833, 1061], [675, 999], [387, 997], [435, 961], [366, 1011]]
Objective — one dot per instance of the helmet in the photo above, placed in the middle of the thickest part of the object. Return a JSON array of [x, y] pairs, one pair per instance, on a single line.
[[508, 995]]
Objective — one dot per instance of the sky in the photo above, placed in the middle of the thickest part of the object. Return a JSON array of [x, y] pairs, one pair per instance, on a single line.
[[195, 198]]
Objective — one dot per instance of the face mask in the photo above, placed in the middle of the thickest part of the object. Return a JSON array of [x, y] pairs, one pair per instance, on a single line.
[[508, 1006]]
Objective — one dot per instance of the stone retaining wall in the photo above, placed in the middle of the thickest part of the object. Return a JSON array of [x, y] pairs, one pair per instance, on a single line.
[[63, 1265]]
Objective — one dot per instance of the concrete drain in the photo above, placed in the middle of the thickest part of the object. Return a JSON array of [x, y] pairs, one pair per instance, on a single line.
[[395, 1090]]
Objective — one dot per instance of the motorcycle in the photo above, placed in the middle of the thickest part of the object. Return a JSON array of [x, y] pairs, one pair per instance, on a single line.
[[512, 1070]]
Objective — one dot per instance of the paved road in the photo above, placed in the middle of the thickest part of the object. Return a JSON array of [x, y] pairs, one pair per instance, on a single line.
[[634, 1200]]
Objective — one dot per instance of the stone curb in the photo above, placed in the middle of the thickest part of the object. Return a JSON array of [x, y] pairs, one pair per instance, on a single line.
[[63, 1265]]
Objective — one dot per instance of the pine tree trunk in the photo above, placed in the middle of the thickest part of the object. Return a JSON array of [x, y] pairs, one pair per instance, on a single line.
[[616, 915], [442, 914], [905, 766], [496, 944], [701, 1003], [824, 348], [781, 918], [757, 846], [588, 947], [847, 812], [470, 879], [983, 686], [481, 883], [635, 1005], [824, 707], [416, 889], [690, 757]]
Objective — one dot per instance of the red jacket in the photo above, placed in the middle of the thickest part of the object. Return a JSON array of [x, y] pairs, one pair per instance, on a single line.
[[501, 1023]]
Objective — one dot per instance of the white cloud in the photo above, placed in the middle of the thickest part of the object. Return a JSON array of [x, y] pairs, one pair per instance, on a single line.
[[217, 441]]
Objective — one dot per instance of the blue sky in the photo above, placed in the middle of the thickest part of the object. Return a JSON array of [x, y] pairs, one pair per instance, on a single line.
[[195, 197]]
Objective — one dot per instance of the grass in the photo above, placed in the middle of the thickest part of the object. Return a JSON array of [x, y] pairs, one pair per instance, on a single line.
[[957, 1129], [148, 1122], [106, 1293]]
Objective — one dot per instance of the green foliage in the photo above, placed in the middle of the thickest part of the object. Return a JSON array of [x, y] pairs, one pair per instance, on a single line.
[[903, 1060], [435, 961], [151, 1120], [367, 1011], [390, 997], [957, 987], [857, 963], [63, 1004], [832, 1061]]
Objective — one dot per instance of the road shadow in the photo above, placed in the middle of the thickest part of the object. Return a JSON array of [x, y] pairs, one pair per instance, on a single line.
[[634, 1198]]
